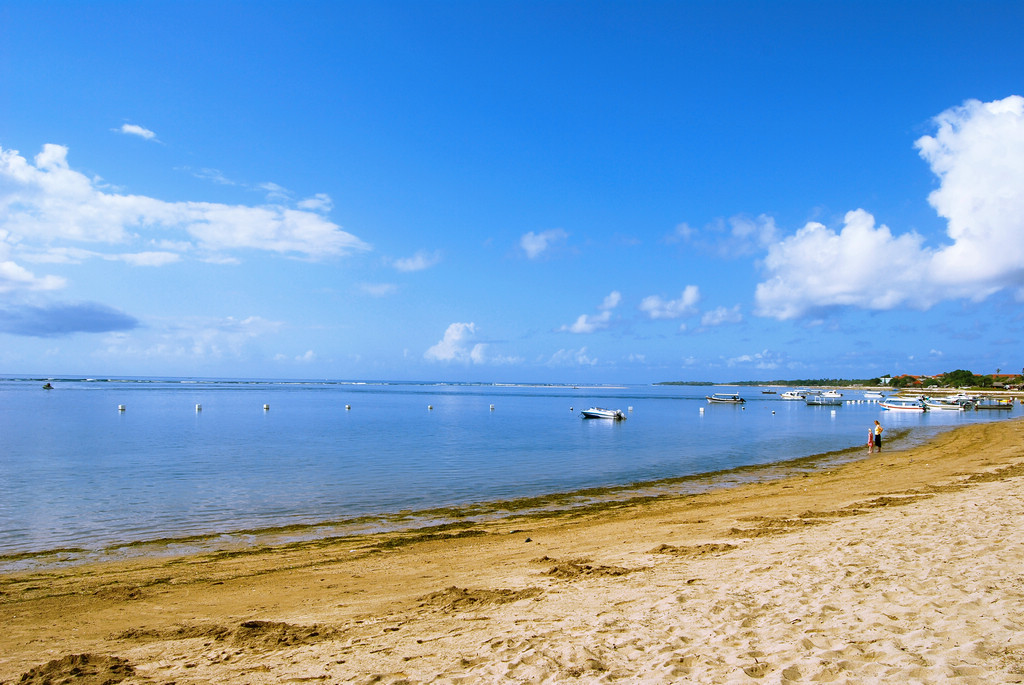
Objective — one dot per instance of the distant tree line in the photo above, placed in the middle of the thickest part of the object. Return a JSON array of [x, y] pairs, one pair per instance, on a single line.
[[960, 378]]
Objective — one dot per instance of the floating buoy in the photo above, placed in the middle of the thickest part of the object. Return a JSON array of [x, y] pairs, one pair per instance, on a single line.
[[199, 407], [702, 410], [492, 407], [630, 409], [266, 407], [348, 407], [120, 407], [430, 407]]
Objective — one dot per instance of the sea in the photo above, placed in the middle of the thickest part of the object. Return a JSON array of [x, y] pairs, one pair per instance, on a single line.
[[98, 469]]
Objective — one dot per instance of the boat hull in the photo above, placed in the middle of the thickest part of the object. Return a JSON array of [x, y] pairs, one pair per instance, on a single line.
[[908, 407], [599, 413]]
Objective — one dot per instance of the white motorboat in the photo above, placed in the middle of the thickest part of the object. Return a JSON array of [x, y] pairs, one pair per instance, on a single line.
[[832, 393], [944, 404], [822, 399], [903, 404], [793, 395], [873, 395], [724, 398], [600, 413]]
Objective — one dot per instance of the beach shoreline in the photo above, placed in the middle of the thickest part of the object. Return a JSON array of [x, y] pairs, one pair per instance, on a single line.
[[894, 567]]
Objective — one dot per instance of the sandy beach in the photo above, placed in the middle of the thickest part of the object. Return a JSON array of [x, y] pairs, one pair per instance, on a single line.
[[903, 567]]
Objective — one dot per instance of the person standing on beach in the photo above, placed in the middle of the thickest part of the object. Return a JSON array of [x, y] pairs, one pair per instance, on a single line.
[[878, 436], [871, 440]]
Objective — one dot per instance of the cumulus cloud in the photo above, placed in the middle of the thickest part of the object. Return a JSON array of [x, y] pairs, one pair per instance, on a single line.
[[536, 244], [418, 262], [977, 153], [588, 323], [135, 130], [457, 345], [48, 203], [658, 308]]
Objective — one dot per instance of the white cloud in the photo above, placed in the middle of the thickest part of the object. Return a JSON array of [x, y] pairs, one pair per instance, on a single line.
[[418, 262], [17, 278], [588, 323], [47, 203], [150, 258], [978, 155], [761, 360], [737, 236], [196, 340], [658, 308], [536, 244], [721, 315], [457, 345], [135, 130], [321, 202], [862, 266], [566, 357]]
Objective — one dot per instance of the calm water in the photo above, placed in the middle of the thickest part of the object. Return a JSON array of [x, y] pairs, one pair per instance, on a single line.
[[75, 472]]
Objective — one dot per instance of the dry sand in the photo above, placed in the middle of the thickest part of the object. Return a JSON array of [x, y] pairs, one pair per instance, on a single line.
[[905, 567]]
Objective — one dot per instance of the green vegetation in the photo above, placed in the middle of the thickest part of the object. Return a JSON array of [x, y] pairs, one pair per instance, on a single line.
[[960, 378], [803, 382]]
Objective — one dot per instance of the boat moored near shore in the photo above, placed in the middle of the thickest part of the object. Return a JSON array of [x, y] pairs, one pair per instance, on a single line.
[[601, 413], [724, 398]]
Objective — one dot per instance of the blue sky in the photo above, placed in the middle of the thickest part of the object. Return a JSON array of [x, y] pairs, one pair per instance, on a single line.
[[496, 191]]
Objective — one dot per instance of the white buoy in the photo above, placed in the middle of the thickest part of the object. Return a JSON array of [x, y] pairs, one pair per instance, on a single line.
[[120, 407], [348, 407], [199, 407], [266, 407], [630, 409], [492, 407], [430, 407], [702, 410]]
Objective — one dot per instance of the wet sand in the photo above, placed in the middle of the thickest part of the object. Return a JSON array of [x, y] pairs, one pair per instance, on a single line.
[[903, 567]]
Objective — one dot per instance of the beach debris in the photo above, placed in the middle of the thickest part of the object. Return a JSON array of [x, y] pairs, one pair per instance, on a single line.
[[83, 669], [460, 599]]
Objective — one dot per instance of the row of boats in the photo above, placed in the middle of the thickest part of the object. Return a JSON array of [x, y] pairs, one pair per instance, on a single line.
[[919, 403], [901, 403]]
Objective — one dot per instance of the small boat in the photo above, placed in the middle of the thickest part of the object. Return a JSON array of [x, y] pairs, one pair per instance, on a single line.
[[903, 404], [944, 404], [994, 404], [724, 398], [822, 399], [793, 395], [767, 392], [831, 393], [600, 413], [873, 395]]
